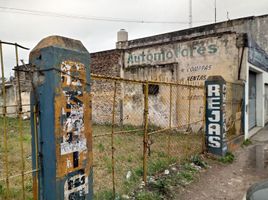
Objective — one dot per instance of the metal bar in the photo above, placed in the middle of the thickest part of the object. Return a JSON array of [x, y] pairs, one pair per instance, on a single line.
[[9, 106], [15, 44], [167, 129], [102, 77], [170, 116], [159, 131], [20, 126], [35, 175], [13, 113], [118, 132], [145, 135], [204, 148], [17, 175], [95, 76], [112, 140], [189, 108], [4, 123]]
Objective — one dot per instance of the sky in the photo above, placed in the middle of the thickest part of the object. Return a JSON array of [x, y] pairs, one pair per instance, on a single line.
[[96, 22]]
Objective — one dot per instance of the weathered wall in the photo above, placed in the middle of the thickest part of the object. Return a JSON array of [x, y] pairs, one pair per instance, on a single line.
[[191, 62], [106, 63], [11, 101]]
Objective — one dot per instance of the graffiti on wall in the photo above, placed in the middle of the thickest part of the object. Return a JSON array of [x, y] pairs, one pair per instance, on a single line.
[[172, 53]]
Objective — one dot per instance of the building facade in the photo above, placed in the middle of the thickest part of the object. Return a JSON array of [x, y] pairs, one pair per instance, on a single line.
[[235, 49]]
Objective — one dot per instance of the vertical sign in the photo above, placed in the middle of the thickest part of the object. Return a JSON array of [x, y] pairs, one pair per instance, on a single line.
[[64, 139], [215, 115]]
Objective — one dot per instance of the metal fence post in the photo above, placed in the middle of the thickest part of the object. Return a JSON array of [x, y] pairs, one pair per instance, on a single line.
[[20, 125], [145, 135], [4, 123], [189, 109], [204, 147], [112, 140], [62, 92], [170, 116]]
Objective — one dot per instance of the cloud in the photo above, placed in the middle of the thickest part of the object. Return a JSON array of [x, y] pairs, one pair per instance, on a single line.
[[100, 35]]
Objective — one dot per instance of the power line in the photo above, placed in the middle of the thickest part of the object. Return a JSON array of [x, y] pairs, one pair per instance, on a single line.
[[93, 18]]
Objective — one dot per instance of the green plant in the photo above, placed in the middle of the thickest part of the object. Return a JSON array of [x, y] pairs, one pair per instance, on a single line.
[[189, 167], [157, 166], [145, 195], [1, 189], [186, 176], [246, 142], [227, 159], [108, 163], [138, 171], [162, 186], [101, 147], [162, 154], [104, 195], [197, 160]]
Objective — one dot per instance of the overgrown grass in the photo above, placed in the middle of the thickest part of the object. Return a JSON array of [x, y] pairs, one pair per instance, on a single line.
[[15, 159], [128, 157], [162, 187]]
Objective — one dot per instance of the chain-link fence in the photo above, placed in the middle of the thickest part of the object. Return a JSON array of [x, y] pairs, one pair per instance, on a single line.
[[234, 109], [140, 128]]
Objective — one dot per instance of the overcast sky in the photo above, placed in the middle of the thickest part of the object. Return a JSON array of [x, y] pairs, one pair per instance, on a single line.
[[28, 27]]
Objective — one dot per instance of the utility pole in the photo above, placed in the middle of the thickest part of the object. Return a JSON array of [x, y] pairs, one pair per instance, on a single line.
[[190, 14], [215, 5]]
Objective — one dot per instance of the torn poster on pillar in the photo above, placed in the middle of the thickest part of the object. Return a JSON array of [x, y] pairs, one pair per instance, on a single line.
[[76, 187], [72, 114]]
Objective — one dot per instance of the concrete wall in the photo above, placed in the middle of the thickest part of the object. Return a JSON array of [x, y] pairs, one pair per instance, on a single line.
[[188, 62], [11, 101]]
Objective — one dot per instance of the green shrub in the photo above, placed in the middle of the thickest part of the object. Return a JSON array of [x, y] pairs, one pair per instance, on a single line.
[[228, 158]]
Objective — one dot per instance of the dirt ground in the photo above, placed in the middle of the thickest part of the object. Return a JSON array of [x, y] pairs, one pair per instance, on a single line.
[[225, 181]]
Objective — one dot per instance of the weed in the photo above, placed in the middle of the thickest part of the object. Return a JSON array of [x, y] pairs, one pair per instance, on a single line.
[[227, 159], [104, 195], [27, 138], [186, 176], [161, 154], [1, 189], [139, 171], [157, 166], [162, 186], [101, 147], [108, 163], [197, 160], [189, 167], [129, 159], [246, 143], [145, 195]]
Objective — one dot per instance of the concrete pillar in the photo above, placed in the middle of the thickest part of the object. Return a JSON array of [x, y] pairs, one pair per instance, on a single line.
[[215, 115], [62, 141]]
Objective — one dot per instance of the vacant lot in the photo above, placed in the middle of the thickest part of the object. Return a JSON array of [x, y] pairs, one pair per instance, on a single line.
[[165, 148]]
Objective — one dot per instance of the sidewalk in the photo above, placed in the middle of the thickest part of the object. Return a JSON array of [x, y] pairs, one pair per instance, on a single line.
[[228, 182], [261, 136]]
